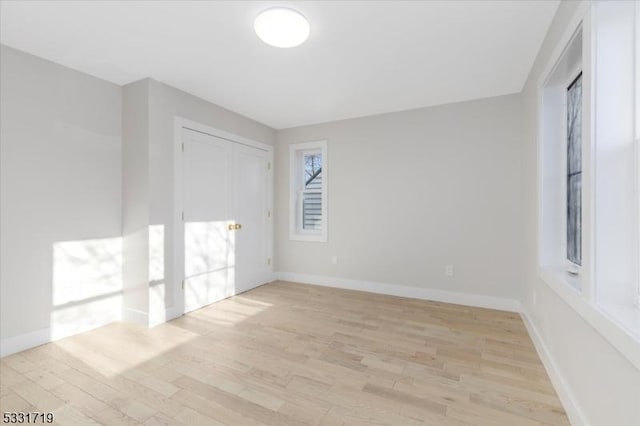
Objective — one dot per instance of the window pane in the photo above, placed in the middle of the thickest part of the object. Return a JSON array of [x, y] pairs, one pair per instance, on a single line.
[[312, 195], [312, 211], [574, 126], [574, 171], [574, 218], [312, 171]]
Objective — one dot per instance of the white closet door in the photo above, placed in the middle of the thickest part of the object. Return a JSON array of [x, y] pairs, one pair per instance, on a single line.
[[250, 211], [208, 242]]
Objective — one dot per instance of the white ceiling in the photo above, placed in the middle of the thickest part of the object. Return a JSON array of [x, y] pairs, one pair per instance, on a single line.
[[362, 58]]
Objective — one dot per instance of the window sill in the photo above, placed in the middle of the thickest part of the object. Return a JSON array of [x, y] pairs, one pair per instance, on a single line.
[[308, 237], [560, 277], [619, 325], [627, 316]]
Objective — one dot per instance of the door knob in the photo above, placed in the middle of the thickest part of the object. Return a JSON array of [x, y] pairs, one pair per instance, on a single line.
[[231, 227], [238, 226]]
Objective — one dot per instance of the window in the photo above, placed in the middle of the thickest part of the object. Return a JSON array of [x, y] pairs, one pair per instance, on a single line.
[[574, 174], [308, 195], [589, 171], [564, 146]]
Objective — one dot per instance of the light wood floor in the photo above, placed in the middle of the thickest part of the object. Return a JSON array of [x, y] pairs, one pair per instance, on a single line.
[[287, 354]]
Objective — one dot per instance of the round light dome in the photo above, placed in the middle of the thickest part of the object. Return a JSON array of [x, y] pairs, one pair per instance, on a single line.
[[282, 27]]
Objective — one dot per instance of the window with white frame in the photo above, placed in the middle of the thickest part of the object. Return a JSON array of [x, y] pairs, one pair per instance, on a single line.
[[562, 156], [589, 170], [308, 194]]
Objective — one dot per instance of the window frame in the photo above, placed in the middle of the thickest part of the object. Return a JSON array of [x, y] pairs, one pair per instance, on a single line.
[[637, 146], [552, 260], [297, 152]]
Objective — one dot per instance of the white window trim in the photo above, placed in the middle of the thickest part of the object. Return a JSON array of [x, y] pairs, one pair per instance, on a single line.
[[295, 212], [623, 330], [558, 270], [637, 146]]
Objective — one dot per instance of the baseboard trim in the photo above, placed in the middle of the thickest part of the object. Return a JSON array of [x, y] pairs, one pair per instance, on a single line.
[[575, 414], [15, 344], [173, 313], [135, 316], [169, 314], [12, 345], [468, 299], [32, 339]]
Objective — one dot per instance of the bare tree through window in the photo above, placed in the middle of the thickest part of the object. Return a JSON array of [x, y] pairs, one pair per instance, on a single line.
[[574, 171]]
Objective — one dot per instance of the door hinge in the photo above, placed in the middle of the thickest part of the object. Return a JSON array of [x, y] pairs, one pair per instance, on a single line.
[[183, 216], [268, 213], [182, 146], [269, 261], [269, 165]]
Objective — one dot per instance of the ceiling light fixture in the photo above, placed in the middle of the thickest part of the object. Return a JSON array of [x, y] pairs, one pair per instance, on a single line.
[[282, 27]]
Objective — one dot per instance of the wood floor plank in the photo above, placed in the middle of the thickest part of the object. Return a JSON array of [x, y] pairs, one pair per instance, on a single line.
[[14, 403], [292, 354], [111, 416]]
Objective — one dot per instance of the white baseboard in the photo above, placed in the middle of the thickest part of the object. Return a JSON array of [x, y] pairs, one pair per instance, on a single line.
[[481, 301], [172, 313], [12, 345], [135, 316], [575, 414], [169, 314], [55, 332]]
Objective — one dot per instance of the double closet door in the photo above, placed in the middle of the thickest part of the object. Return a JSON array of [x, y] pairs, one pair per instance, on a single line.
[[225, 190]]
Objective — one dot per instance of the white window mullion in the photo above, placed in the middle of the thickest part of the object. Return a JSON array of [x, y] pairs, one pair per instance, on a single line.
[[636, 74]]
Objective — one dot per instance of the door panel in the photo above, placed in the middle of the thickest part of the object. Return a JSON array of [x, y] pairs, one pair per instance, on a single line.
[[250, 211], [208, 243], [225, 224]]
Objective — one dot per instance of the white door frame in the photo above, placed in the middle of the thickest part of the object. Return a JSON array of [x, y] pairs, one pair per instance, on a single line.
[[178, 201]]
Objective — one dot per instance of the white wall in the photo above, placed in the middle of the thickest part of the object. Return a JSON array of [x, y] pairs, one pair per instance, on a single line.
[[135, 200], [412, 191], [60, 203], [600, 386], [70, 193]]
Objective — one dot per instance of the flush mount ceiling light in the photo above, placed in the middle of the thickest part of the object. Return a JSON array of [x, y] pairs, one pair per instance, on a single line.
[[282, 27]]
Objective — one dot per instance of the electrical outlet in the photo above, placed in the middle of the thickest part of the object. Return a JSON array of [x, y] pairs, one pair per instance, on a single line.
[[448, 270]]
